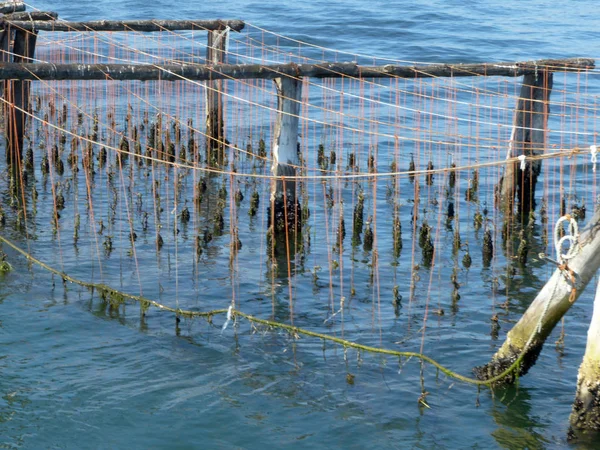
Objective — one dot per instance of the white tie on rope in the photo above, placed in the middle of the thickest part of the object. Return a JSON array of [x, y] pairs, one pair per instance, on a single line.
[[594, 152], [228, 318], [522, 158]]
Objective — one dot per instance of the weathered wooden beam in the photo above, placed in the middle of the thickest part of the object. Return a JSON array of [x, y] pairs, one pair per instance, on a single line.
[[586, 407], [285, 154], [16, 93], [129, 25], [529, 139], [548, 307], [7, 8], [215, 136], [172, 72], [33, 15]]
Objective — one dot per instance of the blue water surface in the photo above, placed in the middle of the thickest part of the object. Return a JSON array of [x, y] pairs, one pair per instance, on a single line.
[[75, 375]]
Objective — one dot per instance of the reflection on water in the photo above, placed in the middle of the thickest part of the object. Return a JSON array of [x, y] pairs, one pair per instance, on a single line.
[[518, 427]]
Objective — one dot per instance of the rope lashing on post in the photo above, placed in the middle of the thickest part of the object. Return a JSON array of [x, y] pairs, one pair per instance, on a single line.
[[594, 160], [522, 158], [562, 259], [573, 239]]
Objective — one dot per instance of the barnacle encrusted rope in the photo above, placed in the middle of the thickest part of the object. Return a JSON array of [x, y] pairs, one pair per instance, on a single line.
[[117, 296]]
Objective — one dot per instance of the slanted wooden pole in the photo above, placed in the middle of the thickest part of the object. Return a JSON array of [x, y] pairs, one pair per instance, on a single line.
[[215, 138], [548, 307], [586, 408], [16, 93], [284, 204], [529, 139]]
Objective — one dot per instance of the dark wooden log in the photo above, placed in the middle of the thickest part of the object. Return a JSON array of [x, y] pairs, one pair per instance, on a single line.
[[16, 93], [129, 25], [529, 139], [33, 15], [215, 137], [174, 72], [7, 8]]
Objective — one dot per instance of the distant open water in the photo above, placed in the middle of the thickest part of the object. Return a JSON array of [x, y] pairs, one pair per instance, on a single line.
[[70, 378]]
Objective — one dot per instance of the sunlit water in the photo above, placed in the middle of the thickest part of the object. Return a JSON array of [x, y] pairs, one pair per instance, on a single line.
[[75, 375]]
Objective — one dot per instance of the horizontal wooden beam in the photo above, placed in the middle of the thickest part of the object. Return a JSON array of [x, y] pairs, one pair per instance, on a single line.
[[128, 25], [173, 72], [7, 8], [33, 15]]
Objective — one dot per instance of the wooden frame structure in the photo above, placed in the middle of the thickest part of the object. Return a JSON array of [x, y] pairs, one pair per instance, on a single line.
[[18, 36]]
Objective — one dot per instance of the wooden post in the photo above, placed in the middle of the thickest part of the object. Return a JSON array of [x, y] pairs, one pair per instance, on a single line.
[[5, 56], [528, 138], [284, 204], [16, 93], [586, 408], [215, 138], [549, 306]]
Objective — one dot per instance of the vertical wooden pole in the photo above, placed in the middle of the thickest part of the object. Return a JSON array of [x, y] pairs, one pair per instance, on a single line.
[[215, 138], [528, 138], [586, 407], [285, 153], [16, 93], [5, 49]]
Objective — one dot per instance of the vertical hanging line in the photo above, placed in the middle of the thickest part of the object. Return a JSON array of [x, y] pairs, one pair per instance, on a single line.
[[594, 160]]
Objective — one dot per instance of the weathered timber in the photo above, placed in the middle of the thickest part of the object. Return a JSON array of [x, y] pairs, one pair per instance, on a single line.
[[33, 15], [7, 8], [215, 137], [549, 306], [284, 204], [528, 138], [203, 72], [129, 25], [586, 407], [16, 94]]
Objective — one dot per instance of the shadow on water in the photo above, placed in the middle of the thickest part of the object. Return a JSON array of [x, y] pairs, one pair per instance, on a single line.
[[517, 423]]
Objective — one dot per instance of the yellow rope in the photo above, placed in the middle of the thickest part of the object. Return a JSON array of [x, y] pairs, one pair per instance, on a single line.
[[145, 302]]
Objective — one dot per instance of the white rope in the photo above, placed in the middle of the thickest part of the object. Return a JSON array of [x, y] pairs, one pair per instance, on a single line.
[[594, 152], [562, 259], [572, 238], [522, 158], [228, 318]]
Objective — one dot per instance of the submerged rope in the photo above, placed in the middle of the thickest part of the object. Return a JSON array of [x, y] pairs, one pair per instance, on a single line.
[[145, 303]]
